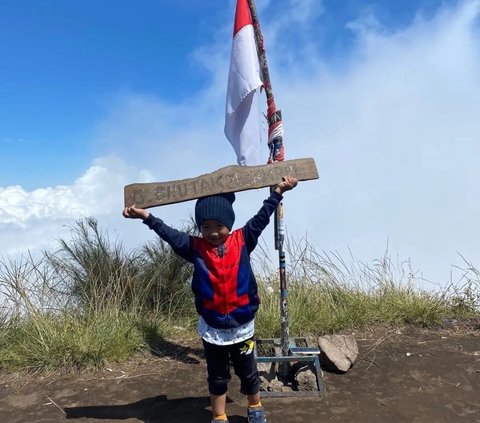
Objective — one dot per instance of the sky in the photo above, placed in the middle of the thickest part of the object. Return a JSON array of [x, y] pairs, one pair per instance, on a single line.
[[384, 95]]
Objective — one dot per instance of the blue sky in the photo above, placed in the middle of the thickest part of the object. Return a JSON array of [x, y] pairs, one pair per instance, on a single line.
[[63, 61], [385, 95]]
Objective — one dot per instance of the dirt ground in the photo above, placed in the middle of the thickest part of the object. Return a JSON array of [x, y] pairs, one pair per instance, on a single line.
[[401, 375]]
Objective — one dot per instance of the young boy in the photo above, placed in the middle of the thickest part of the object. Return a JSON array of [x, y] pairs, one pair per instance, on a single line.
[[225, 290]]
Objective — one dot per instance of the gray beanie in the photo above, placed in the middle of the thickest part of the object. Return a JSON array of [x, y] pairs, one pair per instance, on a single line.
[[216, 207]]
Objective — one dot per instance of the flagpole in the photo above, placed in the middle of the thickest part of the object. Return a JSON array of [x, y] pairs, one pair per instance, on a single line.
[[274, 118]]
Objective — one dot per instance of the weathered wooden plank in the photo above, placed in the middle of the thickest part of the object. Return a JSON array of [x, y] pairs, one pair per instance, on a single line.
[[228, 179]]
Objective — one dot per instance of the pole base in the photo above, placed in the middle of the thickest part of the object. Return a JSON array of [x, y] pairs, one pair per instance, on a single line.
[[283, 375]]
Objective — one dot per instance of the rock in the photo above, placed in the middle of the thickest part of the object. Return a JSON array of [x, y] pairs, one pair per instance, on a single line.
[[305, 379], [267, 372], [275, 386], [339, 351], [263, 383], [268, 377], [267, 368]]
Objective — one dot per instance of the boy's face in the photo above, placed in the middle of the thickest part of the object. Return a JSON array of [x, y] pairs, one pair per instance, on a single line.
[[214, 232]]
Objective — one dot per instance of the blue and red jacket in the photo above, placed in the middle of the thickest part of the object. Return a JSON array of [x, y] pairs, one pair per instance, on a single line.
[[223, 282]]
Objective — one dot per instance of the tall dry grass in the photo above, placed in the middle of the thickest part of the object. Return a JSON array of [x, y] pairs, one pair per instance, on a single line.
[[90, 302]]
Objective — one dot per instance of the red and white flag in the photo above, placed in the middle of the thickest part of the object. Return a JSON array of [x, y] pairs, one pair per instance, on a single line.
[[242, 114]]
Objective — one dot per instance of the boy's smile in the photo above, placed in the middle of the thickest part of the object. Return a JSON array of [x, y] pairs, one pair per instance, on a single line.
[[214, 232]]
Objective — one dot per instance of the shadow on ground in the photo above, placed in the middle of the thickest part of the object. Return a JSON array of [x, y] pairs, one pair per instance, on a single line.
[[157, 409], [160, 347]]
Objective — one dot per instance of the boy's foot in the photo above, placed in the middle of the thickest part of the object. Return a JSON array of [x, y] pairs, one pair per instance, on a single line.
[[256, 415]]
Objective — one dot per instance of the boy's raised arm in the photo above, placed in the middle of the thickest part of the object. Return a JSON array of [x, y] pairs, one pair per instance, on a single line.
[[255, 226], [179, 241]]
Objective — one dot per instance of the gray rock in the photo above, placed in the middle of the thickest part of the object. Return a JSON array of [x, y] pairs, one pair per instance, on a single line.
[[275, 386], [268, 367], [267, 372], [340, 351], [263, 383], [306, 380]]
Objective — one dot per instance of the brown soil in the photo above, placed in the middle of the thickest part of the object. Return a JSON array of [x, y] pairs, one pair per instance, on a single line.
[[401, 375]]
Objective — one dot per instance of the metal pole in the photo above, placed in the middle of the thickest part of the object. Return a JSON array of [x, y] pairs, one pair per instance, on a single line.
[[273, 116]]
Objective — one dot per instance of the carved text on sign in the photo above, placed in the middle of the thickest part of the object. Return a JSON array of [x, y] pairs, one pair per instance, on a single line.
[[227, 179], [201, 187]]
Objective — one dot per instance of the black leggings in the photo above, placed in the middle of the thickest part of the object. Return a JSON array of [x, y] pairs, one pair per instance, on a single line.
[[241, 356]]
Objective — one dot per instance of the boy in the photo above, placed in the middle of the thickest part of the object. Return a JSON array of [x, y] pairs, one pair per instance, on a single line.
[[225, 290]]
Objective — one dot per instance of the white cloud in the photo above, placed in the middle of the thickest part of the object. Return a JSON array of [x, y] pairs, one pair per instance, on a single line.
[[31, 220], [396, 140], [394, 132]]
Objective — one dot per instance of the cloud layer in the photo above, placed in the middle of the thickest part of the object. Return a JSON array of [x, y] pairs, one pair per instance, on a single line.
[[392, 124]]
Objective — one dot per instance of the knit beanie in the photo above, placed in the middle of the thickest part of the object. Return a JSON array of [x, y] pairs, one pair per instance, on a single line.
[[216, 207]]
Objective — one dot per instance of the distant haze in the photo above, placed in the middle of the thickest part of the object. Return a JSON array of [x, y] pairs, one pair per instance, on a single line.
[[389, 109]]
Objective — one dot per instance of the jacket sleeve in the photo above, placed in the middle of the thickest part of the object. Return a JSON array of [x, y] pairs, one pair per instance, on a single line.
[[255, 226], [180, 242]]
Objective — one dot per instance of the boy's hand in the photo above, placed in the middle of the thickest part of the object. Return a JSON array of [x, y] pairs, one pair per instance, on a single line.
[[134, 212], [288, 183]]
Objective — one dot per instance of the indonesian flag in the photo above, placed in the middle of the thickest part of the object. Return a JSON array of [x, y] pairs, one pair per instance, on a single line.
[[242, 115]]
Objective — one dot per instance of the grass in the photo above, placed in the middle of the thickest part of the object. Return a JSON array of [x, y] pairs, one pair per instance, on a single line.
[[91, 302], [326, 294], [69, 341]]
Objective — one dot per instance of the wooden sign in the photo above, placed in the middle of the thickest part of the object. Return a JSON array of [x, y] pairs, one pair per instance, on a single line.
[[227, 179]]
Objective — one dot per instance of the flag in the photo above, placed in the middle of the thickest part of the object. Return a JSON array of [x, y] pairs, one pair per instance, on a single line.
[[242, 114]]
